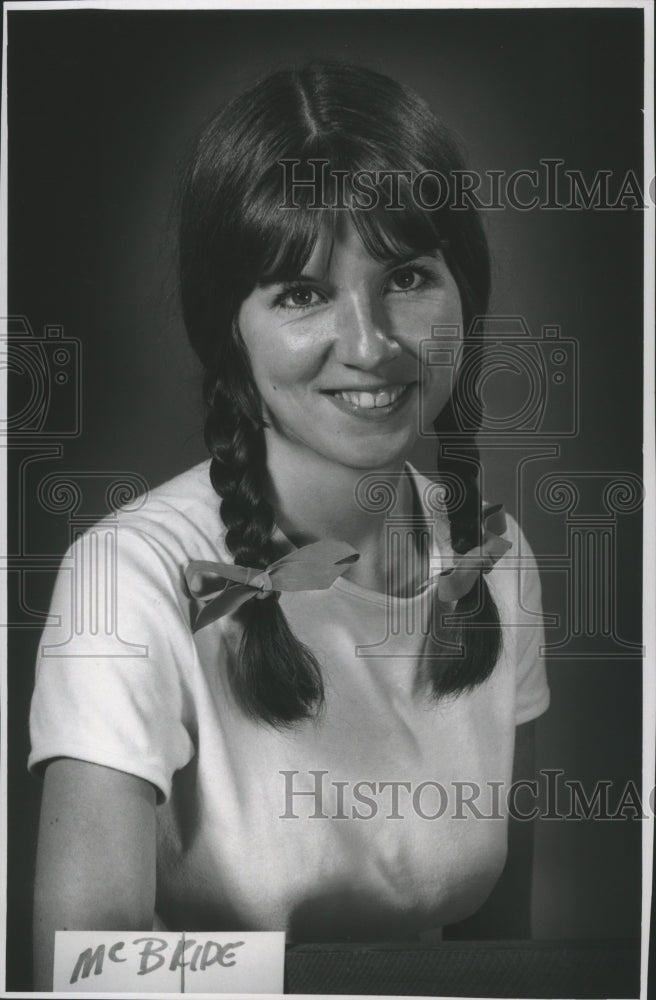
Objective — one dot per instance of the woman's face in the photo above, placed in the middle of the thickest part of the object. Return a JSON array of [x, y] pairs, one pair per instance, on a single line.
[[336, 354]]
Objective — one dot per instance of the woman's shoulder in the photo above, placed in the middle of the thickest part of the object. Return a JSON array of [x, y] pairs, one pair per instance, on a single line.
[[178, 520], [186, 496]]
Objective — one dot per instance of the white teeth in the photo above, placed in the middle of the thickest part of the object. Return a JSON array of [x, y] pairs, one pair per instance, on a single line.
[[370, 400]]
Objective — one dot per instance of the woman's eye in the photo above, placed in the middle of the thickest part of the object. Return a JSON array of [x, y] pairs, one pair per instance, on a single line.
[[298, 297], [407, 279]]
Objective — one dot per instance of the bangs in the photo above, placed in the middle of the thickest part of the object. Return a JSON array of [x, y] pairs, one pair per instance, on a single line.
[[280, 233]]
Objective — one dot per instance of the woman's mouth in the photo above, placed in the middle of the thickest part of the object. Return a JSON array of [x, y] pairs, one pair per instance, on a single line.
[[383, 400]]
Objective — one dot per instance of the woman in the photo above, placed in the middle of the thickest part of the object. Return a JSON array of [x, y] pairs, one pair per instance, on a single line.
[[316, 683]]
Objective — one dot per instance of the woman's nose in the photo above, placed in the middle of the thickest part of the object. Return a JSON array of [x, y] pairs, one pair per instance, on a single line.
[[363, 335]]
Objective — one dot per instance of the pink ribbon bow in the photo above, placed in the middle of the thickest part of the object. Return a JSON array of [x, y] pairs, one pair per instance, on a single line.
[[454, 583], [224, 587]]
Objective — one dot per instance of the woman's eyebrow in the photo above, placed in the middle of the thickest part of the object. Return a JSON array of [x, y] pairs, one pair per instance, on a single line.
[[269, 281], [393, 260], [407, 258]]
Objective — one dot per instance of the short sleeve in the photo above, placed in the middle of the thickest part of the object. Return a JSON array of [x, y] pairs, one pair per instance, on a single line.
[[111, 678], [532, 689]]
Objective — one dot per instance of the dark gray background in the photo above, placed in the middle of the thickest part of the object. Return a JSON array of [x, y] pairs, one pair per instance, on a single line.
[[101, 107]]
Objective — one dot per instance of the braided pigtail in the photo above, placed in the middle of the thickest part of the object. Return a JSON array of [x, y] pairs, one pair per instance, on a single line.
[[477, 632], [275, 677]]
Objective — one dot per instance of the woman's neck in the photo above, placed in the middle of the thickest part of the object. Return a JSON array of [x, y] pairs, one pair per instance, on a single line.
[[315, 498]]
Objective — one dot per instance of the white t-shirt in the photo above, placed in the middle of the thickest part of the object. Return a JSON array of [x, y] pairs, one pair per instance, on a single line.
[[353, 826]]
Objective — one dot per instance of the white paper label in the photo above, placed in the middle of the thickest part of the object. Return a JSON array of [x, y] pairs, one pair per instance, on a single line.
[[169, 962]]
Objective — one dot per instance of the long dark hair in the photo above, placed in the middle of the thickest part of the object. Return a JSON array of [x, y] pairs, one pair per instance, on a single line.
[[233, 235]]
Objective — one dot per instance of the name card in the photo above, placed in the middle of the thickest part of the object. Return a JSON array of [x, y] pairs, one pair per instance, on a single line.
[[169, 962]]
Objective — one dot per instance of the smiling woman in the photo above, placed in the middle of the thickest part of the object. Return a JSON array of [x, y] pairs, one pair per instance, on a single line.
[[282, 634], [334, 358]]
